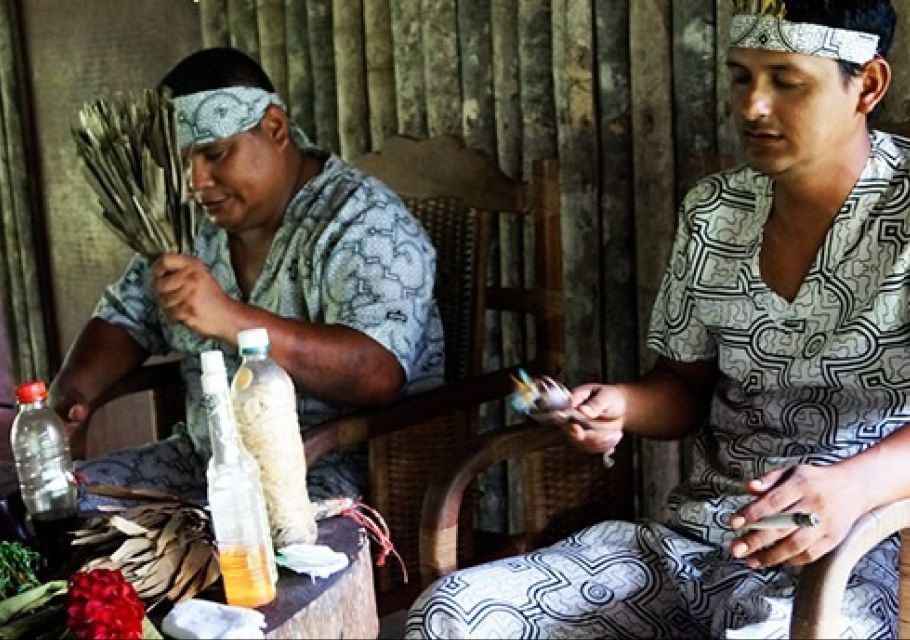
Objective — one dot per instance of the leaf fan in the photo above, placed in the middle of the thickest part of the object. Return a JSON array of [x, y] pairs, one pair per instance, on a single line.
[[128, 146]]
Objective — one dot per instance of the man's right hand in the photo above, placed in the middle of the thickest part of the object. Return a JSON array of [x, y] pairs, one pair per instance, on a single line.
[[605, 407]]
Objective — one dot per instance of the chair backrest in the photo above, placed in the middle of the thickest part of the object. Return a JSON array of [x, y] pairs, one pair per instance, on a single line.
[[445, 169], [460, 238], [462, 197]]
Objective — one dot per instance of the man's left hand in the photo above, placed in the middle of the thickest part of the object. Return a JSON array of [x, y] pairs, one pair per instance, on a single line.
[[832, 492]]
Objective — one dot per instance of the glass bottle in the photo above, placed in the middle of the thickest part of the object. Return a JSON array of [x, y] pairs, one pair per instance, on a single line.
[[265, 406], [235, 498], [44, 467]]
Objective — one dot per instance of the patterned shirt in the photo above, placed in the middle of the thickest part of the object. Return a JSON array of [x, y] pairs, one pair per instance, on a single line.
[[348, 252], [811, 381]]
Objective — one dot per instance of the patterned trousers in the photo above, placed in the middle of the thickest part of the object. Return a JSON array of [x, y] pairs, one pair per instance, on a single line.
[[623, 580], [172, 465]]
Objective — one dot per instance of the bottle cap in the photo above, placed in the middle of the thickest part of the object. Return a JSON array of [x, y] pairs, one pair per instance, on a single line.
[[253, 340], [212, 361], [29, 392], [214, 375]]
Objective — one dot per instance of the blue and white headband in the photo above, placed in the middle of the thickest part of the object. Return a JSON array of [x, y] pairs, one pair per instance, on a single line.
[[209, 115]]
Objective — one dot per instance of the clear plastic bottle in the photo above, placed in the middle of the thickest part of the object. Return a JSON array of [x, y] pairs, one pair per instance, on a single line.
[[265, 407], [235, 498], [45, 469]]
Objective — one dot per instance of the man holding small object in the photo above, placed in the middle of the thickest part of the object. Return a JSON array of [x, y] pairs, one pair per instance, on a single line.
[[783, 334]]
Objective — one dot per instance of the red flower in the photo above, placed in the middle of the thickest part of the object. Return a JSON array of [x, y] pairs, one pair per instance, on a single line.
[[100, 604]]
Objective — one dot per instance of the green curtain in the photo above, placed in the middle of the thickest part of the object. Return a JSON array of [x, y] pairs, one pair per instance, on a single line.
[[24, 290]]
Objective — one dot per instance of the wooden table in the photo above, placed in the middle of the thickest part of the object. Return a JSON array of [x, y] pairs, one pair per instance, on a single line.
[[340, 606]]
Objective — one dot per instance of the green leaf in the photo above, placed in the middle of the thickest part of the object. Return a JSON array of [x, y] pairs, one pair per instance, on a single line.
[[30, 600], [149, 632]]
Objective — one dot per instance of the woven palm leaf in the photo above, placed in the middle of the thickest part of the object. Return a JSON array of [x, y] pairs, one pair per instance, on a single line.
[[127, 143], [163, 546]]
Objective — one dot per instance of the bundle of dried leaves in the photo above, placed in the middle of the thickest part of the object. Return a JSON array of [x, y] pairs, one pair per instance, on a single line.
[[128, 145], [163, 546]]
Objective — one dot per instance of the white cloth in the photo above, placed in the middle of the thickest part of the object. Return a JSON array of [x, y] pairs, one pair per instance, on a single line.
[[315, 560], [206, 619]]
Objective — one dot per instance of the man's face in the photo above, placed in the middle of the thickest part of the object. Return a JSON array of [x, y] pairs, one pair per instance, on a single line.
[[236, 180], [793, 112]]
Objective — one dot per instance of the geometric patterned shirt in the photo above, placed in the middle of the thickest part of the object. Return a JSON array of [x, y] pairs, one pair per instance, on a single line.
[[811, 381], [348, 252]]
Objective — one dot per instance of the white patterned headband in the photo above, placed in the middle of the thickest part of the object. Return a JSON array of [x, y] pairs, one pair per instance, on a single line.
[[774, 33], [209, 115]]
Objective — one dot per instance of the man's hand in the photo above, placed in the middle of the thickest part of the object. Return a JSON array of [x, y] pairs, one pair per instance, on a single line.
[[74, 410], [604, 406], [188, 293], [832, 492]]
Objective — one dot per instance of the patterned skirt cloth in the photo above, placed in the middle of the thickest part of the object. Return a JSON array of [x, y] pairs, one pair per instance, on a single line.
[[172, 465], [623, 580]]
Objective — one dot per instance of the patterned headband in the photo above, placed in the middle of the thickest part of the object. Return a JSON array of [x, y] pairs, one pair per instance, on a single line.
[[209, 115], [773, 33]]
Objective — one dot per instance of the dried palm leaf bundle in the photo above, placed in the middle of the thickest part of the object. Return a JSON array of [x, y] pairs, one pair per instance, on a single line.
[[128, 146], [164, 546]]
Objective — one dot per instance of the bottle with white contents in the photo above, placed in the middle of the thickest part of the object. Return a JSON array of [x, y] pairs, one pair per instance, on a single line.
[[265, 407], [235, 498]]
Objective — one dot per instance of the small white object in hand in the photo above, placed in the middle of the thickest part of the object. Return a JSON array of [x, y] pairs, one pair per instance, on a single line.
[[315, 560], [196, 618]]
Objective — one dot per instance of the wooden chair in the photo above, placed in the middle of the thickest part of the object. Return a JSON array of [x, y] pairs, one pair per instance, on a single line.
[[820, 593]]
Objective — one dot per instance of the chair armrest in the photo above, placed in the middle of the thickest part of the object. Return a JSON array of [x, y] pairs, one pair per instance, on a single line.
[[410, 410], [442, 501], [820, 591]]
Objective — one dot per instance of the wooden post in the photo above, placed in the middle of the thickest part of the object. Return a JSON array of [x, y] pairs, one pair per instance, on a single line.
[[440, 54], [619, 307], [243, 26], [727, 144], [325, 112], [377, 22], [409, 75], [476, 55], [577, 134], [213, 18], [270, 22], [504, 27], [300, 70], [655, 203], [347, 26]]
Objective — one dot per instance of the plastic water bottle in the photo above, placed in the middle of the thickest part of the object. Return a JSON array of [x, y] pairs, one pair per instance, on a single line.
[[235, 498], [45, 469], [265, 406]]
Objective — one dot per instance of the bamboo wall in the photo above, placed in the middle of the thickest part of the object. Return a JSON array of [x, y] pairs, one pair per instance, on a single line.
[[629, 94]]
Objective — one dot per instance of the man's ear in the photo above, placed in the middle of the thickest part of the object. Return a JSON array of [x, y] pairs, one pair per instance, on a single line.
[[274, 124], [876, 78]]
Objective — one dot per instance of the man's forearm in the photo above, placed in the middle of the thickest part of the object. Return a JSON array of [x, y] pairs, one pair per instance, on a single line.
[[100, 356], [334, 363], [670, 401]]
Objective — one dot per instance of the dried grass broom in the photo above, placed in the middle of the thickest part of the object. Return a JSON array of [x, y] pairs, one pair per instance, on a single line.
[[128, 146]]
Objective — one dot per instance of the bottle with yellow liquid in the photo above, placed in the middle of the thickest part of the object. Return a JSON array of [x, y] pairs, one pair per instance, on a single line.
[[235, 498]]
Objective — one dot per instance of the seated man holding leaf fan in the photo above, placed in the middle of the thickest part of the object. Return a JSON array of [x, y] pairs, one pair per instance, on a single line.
[[295, 240]]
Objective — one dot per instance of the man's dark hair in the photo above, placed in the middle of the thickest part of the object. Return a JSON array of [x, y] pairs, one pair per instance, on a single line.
[[870, 16], [215, 68]]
